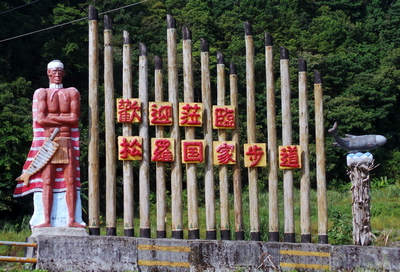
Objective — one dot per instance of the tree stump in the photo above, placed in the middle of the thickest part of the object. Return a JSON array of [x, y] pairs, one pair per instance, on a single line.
[[360, 165]]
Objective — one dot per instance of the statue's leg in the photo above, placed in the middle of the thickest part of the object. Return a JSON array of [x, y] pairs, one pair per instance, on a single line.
[[71, 194], [48, 175]]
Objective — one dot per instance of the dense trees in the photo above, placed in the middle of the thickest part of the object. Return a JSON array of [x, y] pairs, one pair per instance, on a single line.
[[355, 45]]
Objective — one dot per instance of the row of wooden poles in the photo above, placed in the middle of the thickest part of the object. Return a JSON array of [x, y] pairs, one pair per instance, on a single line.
[[191, 169]]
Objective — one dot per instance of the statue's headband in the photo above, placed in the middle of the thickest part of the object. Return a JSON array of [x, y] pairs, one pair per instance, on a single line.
[[55, 64]]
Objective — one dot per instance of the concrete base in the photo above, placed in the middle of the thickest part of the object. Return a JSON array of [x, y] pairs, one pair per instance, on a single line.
[[105, 253], [65, 231]]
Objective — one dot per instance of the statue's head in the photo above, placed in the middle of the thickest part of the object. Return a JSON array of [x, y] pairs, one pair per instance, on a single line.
[[55, 71]]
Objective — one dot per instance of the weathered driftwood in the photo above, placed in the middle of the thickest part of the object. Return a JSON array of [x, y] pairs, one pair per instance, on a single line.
[[360, 181]]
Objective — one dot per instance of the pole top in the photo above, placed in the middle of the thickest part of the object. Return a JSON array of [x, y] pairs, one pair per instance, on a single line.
[[248, 29], [268, 39], [107, 22], [232, 68], [93, 14], [127, 37], [204, 45], [317, 77], [220, 58], [284, 53], [171, 22], [302, 65], [186, 33], [158, 63], [142, 49]]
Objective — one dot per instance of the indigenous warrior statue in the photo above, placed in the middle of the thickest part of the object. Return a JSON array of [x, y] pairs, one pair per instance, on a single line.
[[53, 161]]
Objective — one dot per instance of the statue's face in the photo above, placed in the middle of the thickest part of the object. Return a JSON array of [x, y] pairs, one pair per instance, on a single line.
[[55, 75]]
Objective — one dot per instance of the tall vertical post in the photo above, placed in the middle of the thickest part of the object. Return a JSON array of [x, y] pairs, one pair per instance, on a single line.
[[127, 131], [144, 182], [160, 166], [272, 142], [320, 155], [287, 140], [109, 111], [305, 217], [211, 233], [173, 97], [237, 177], [251, 132], [93, 152], [191, 168], [222, 169]]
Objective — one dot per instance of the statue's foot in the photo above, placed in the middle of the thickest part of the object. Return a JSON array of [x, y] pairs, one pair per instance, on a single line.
[[44, 225], [75, 225]]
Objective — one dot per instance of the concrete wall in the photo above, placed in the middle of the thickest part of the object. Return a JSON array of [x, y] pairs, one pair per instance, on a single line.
[[104, 253]]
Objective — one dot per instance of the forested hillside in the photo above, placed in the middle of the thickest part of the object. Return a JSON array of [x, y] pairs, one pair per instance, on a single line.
[[354, 44]]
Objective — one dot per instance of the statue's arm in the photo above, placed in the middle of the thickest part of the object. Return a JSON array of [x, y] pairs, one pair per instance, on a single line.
[[43, 117]]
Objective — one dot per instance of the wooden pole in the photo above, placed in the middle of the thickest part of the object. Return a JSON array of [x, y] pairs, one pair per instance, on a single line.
[[93, 149], [287, 140], [109, 112], [305, 217], [320, 156], [160, 166], [223, 169], [144, 181], [251, 132], [272, 142], [173, 97], [190, 134], [237, 177], [211, 233], [127, 131]]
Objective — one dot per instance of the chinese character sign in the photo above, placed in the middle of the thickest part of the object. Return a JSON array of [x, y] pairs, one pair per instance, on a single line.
[[290, 157], [190, 114], [224, 153], [162, 149], [192, 151], [129, 110], [130, 148], [160, 113], [255, 155], [224, 117]]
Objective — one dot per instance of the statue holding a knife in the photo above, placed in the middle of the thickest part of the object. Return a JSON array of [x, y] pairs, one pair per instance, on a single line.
[[53, 161]]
